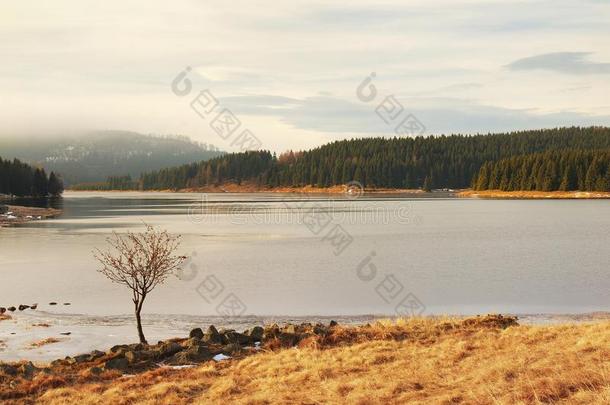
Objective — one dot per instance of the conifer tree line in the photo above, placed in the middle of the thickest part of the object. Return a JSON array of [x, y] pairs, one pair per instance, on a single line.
[[21, 180], [566, 170], [431, 162]]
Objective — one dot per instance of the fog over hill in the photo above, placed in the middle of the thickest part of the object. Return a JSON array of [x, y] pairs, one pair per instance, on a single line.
[[94, 156]]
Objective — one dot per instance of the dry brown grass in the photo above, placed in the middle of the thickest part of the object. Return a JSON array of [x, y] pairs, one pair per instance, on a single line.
[[419, 361]]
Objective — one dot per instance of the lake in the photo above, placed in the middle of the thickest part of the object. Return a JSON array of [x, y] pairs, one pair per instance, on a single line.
[[300, 256]]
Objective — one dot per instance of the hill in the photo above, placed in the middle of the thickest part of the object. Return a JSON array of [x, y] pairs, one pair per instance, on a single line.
[[423, 162], [92, 157]]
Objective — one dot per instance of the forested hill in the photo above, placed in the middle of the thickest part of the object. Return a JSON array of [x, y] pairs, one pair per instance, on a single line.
[[93, 156], [20, 179], [565, 170], [431, 162]]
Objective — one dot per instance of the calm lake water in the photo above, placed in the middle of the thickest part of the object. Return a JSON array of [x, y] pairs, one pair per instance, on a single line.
[[286, 257], [289, 255]]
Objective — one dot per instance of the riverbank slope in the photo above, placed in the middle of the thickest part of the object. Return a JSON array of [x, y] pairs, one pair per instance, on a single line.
[[485, 360]]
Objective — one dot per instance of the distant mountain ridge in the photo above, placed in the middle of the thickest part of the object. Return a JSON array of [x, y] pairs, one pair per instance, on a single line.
[[94, 156]]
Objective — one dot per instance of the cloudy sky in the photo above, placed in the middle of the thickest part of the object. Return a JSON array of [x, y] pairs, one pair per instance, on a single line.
[[290, 70]]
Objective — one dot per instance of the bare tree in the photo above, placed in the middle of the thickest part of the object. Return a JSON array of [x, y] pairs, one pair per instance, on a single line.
[[140, 261]]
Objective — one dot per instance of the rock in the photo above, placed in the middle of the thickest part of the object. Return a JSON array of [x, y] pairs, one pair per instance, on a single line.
[[168, 349], [52, 303], [3, 209], [196, 333], [116, 348], [117, 363], [136, 357], [95, 370], [320, 329], [67, 303], [65, 333], [255, 333], [332, 324], [271, 332], [27, 369], [288, 339], [34, 306], [12, 309], [290, 328], [235, 337], [212, 335], [192, 342], [96, 354], [231, 348], [195, 354], [2, 310], [8, 369], [81, 358]]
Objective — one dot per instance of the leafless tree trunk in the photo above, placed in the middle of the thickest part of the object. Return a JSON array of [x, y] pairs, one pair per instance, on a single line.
[[140, 261]]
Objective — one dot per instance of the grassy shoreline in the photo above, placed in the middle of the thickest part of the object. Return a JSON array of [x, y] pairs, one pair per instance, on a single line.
[[342, 189], [487, 360], [20, 215]]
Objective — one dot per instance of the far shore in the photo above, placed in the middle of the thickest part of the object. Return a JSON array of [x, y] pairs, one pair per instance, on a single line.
[[351, 191], [17, 215]]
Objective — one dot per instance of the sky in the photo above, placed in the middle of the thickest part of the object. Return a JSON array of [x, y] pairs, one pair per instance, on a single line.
[[292, 72]]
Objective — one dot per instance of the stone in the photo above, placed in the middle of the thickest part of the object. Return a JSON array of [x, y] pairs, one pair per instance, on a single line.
[[22, 307], [81, 358], [195, 354], [231, 348], [2, 310], [134, 357], [8, 369], [332, 324], [96, 354], [12, 309], [27, 369], [116, 348], [236, 337], [196, 333], [212, 335], [255, 333], [95, 370], [168, 349], [290, 328], [117, 363]]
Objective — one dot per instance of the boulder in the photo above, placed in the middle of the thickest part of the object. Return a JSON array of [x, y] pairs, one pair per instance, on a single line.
[[34, 306], [231, 349], [2, 310], [117, 363], [81, 358], [134, 357], [320, 329], [168, 349], [290, 328], [95, 370], [193, 342], [8, 369], [22, 307], [235, 337], [332, 324], [3, 209], [196, 333], [12, 309], [255, 333], [117, 348], [27, 369], [96, 354], [195, 354], [212, 335]]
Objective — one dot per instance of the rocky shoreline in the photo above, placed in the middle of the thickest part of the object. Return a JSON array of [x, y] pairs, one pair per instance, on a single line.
[[11, 215], [210, 345]]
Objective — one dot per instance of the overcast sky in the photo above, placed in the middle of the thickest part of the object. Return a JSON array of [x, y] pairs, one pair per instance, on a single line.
[[289, 70]]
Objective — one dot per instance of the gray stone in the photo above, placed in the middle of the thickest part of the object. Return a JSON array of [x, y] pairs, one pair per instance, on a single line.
[[255, 333], [169, 349], [231, 348], [212, 335], [117, 363], [27, 369], [236, 337], [196, 333], [8, 369]]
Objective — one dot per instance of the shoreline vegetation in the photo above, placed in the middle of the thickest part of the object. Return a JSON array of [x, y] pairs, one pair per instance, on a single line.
[[344, 189], [487, 359], [18, 215]]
